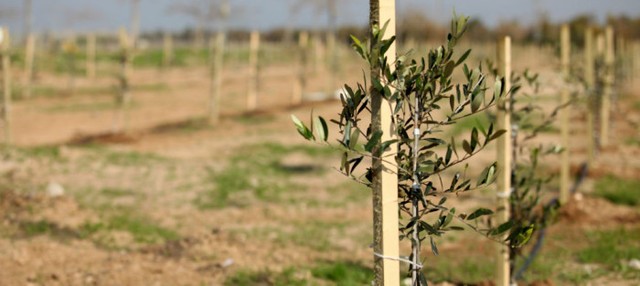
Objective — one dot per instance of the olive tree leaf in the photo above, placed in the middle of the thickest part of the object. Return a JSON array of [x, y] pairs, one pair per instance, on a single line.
[[321, 129], [478, 213], [302, 129]]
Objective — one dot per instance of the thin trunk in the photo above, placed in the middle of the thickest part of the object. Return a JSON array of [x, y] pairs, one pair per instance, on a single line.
[[28, 65], [384, 183], [6, 83], [254, 76], [217, 61], [91, 56], [589, 76], [416, 190], [124, 98], [300, 85], [565, 42], [608, 80], [167, 50]]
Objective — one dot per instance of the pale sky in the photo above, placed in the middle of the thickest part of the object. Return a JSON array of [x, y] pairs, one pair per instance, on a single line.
[[109, 15]]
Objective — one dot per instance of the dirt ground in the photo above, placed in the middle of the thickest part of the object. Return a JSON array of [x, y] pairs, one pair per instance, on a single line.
[[81, 207]]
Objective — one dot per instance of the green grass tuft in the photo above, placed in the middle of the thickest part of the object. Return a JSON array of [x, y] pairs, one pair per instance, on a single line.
[[619, 191], [611, 247], [255, 170], [36, 228], [343, 273], [142, 229], [265, 278]]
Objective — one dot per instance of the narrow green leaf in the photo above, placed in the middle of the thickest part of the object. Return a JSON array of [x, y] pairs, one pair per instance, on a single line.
[[497, 134], [486, 177], [467, 147], [357, 45], [474, 139], [355, 162], [478, 213], [502, 228], [476, 100], [449, 217], [463, 57], [428, 228], [321, 129], [374, 141], [387, 143], [302, 129], [355, 134], [423, 279], [498, 88], [434, 248]]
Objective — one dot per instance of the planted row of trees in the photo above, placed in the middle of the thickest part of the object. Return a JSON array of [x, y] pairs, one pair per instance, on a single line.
[[74, 55], [415, 168]]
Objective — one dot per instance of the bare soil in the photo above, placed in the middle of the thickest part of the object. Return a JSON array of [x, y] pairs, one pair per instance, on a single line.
[[159, 169]]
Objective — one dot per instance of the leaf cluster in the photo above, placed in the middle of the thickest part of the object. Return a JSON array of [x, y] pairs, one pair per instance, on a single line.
[[425, 102]]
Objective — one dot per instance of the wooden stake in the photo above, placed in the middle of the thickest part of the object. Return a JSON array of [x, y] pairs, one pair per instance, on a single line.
[[385, 179], [635, 58], [125, 95], [28, 65], [254, 48], [167, 50], [621, 53], [332, 63], [217, 62], [6, 83], [318, 53], [589, 76], [565, 48], [609, 78], [91, 56], [504, 160], [199, 38], [301, 82], [70, 50]]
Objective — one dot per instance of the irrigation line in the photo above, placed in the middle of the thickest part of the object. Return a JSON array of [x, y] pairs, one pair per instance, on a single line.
[[584, 171]]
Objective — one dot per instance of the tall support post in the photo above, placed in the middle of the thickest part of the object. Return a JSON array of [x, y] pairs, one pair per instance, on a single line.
[[318, 53], [28, 65], [332, 62], [565, 50], [70, 50], [135, 23], [167, 49], [301, 81], [6, 83], [503, 271], [609, 78], [216, 64], [622, 53], [385, 179], [332, 46], [91, 56], [635, 59], [589, 76], [124, 98], [254, 49]]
